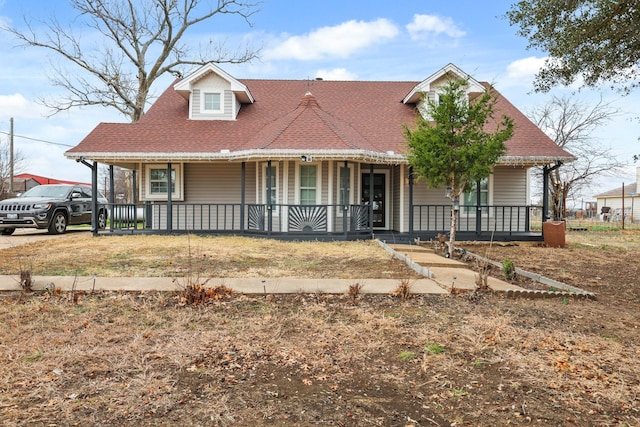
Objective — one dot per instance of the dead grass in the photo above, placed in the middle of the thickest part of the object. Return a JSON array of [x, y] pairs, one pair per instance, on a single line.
[[316, 359], [306, 359], [203, 257]]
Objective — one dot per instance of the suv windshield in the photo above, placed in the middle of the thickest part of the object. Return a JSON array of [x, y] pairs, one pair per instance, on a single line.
[[57, 191]]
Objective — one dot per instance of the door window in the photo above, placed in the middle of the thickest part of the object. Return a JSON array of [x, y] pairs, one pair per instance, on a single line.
[[379, 203]]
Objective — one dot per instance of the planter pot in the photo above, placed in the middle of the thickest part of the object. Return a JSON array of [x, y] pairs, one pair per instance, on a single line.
[[553, 233]]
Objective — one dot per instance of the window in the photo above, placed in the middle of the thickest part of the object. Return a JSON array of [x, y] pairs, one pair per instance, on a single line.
[[212, 102], [156, 182], [470, 199], [344, 171], [308, 184], [273, 197]]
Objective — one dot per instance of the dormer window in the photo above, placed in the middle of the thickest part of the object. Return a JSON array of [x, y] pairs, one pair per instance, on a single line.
[[213, 94], [212, 102]]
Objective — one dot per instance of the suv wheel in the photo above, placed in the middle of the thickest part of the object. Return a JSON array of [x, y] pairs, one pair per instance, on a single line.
[[58, 224], [102, 219], [8, 231]]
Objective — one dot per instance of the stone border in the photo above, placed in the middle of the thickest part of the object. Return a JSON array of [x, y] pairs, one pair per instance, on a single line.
[[567, 290], [533, 294], [412, 264]]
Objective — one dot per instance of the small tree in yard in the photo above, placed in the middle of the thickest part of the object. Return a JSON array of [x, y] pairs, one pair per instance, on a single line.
[[453, 147]]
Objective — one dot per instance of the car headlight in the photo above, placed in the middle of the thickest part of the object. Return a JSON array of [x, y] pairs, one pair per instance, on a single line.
[[44, 206]]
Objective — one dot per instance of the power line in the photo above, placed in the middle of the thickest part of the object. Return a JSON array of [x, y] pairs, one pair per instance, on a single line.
[[37, 140]]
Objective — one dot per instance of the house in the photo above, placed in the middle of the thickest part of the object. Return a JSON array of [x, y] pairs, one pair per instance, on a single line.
[[306, 159], [611, 204]]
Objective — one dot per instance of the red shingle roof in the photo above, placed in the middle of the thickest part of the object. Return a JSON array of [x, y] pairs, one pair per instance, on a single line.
[[334, 115]]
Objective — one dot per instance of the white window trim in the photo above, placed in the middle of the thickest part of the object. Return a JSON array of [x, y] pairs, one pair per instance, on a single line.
[[265, 198], [318, 182], [350, 168], [176, 195], [203, 95]]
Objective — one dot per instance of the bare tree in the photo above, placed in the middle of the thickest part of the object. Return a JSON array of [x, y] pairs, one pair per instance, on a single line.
[[122, 184], [139, 41], [571, 123], [5, 168]]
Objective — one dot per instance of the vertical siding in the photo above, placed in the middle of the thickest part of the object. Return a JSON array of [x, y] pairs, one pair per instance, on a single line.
[[395, 188], [323, 168]]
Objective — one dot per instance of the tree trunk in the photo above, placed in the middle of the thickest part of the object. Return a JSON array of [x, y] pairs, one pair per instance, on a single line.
[[565, 194], [452, 233]]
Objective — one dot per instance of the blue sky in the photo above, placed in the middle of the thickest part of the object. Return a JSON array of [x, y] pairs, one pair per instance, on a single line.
[[332, 39]]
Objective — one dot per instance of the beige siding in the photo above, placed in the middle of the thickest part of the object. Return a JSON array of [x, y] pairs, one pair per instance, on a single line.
[[195, 103], [291, 183], [510, 186], [218, 187], [212, 182], [395, 188]]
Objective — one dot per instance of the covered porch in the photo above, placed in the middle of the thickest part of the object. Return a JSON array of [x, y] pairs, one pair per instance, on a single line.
[[372, 200]]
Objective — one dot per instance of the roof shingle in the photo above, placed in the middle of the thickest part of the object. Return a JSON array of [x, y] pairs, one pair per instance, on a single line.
[[335, 115]]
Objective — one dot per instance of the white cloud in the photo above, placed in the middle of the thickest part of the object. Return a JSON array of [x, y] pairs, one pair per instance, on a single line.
[[336, 74], [425, 26], [339, 41], [525, 69], [16, 105]]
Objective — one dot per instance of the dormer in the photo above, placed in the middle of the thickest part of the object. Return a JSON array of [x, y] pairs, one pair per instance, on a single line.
[[429, 87], [213, 94]]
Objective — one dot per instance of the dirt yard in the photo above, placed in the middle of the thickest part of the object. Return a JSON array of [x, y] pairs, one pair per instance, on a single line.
[[477, 359]]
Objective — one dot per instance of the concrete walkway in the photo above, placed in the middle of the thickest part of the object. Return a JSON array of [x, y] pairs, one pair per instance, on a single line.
[[441, 275], [447, 273]]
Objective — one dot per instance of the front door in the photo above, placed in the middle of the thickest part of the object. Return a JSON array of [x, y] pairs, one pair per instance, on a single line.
[[379, 202]]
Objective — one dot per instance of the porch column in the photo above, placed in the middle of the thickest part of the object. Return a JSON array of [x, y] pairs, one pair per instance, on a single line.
[[242, 194], [478, 209], [134, 197], [169, 204], [94, 197], [134, 186], [545, 193], [371, 199], [269, 206], [345, 198], [112, 197], [94, 193], [410, 203]]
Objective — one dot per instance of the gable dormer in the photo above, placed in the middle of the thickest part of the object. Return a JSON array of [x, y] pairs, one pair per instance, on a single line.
[[429, 88], [213, 94]]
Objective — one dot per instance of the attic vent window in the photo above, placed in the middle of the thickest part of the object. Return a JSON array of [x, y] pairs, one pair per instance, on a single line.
[[212, 102]]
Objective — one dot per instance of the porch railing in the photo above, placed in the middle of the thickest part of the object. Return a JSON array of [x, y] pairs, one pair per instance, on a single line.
[[309, 219], [479, 219], [254, 218]]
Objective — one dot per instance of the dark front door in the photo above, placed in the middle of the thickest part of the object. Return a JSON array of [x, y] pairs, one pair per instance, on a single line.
[[379, 202]]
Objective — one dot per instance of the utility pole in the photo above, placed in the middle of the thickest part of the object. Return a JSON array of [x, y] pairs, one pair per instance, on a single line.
[[11, 156]]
